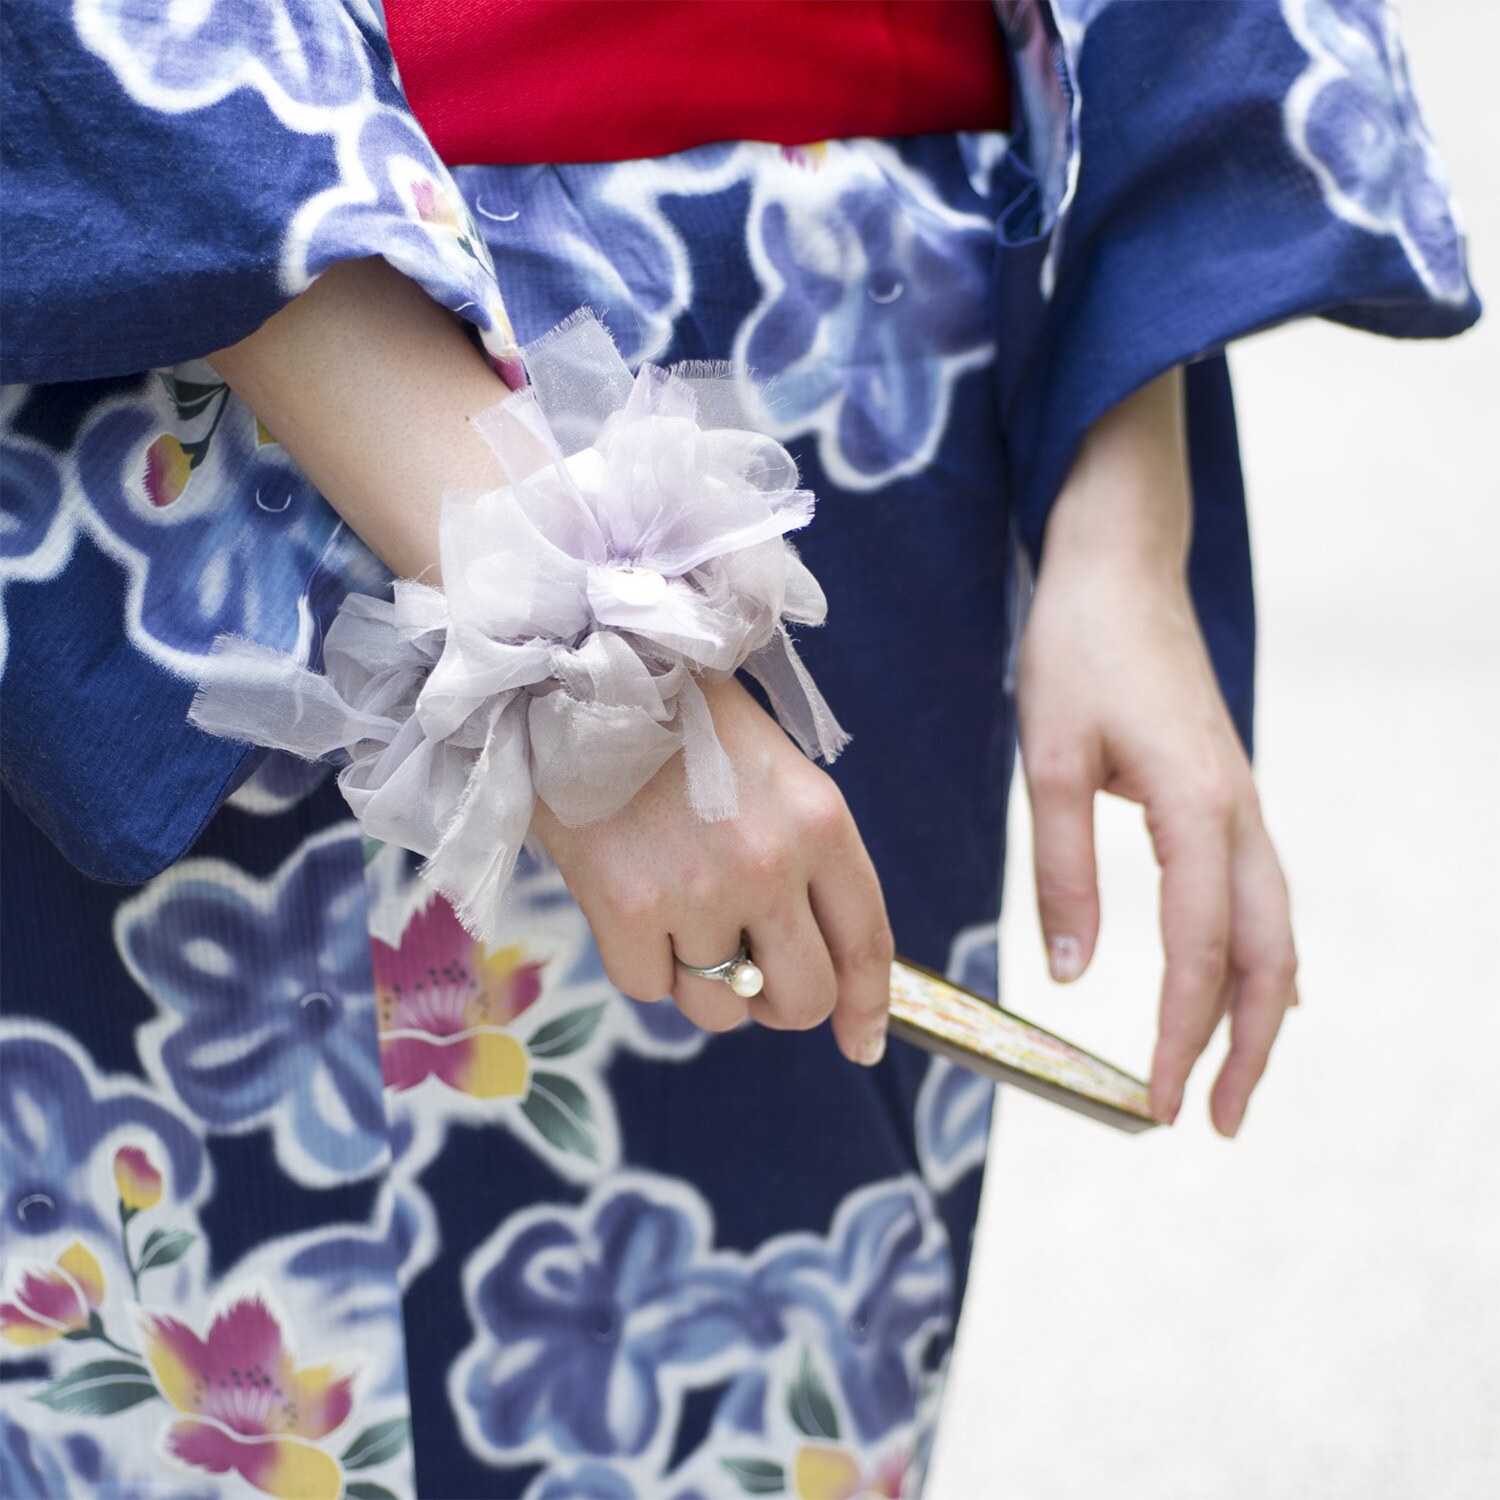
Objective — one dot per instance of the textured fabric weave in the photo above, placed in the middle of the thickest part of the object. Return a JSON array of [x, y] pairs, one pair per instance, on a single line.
[[601, 80], [405, 1214]]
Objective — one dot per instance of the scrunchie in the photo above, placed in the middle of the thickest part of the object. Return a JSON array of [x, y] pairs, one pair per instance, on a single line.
[[639, 543]]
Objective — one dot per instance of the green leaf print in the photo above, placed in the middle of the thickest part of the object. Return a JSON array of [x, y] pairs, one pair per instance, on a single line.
[[99, 1388], [567, 1033], [809, 1406], [377, 1443], [163, 1246], [757, 1476], [561, 1110]]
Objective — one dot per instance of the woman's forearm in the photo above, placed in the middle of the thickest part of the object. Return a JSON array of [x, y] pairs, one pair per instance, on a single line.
[[371, 387], [1116, 692], [1126, 496]]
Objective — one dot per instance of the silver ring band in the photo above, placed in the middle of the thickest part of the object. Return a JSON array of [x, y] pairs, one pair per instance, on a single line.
[[737, 971]]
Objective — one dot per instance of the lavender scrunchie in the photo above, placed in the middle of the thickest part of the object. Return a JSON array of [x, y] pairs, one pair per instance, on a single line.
[[639, 543]]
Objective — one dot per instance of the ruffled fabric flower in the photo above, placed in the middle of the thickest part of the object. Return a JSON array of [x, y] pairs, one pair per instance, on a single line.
[[638, 544], [246, 1405], [53, 1301], [445, 1002], [137, 1179]]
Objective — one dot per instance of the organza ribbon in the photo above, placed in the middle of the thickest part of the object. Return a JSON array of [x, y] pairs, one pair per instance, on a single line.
[[638, 543]]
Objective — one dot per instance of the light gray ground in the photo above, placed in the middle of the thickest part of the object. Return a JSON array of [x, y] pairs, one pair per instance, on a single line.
[[1312, 1311]]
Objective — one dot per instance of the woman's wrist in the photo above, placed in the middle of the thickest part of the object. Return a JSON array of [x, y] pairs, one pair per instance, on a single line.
[[371, 387], [1126, 503]]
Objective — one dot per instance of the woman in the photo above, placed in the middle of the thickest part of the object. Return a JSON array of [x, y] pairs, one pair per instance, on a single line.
[[591, 1246]]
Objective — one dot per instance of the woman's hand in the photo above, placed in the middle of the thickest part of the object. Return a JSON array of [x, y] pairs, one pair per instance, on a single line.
[[790, 871], [1116, 693], [371, 387]]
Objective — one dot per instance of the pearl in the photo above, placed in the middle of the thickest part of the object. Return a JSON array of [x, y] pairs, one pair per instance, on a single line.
[[635, 585], [746, 980]]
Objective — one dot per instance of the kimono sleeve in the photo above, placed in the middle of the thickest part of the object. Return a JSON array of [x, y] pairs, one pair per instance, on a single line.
[[174, 174], [1204, 170]]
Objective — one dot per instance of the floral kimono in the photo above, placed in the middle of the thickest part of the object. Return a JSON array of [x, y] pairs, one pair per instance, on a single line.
[[307, 1194]]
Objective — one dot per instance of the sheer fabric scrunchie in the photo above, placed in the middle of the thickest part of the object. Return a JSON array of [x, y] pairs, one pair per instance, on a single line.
[[638, 544]]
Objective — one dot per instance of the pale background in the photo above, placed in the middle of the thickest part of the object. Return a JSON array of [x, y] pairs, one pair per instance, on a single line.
[[1311, 1311]]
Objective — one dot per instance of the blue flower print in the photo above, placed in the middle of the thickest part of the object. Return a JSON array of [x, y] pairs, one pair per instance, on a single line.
[[228, 546], [566, 241], [598, 1481], [267, 1006], [31, 492], [60, 1122], [878, 1287], [875, 300], [396, 199], [598, 235], [590, 1322], [306, 61], [1352, 117], [36, 536], [954, 1111], [322, 69], [586, 1482], [278, 783], [37, 1465]]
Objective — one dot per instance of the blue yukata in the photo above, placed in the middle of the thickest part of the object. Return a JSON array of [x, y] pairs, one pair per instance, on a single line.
[[307, 1194]]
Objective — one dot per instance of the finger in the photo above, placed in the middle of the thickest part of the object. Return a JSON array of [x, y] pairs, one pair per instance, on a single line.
[[800, 987], [1192, 842], [1229, 994], [850, 912], [703, 942], [1067, 886], [635, 951], [1224, 1005], [1263, 951]]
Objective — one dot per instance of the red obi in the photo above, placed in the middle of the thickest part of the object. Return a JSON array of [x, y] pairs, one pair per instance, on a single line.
[[609, 80]]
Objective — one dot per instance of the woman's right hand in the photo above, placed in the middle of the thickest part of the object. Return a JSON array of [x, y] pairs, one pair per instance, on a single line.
[[790, 871], [370, 387]]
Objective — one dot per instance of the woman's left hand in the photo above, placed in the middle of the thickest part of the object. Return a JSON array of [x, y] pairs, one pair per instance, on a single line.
[[1116, 693]]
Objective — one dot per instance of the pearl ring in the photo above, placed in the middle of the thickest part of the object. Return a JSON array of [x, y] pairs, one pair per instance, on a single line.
[[738, 972]]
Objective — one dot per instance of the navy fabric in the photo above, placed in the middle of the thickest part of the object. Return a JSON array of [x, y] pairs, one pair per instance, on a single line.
[[1180, 176], [133, 240], [1195, 220], [496, 1229]]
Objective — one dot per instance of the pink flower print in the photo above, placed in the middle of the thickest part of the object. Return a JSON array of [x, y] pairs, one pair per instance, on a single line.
[[433, 206], [811, 155], [167, 469], [137, 1180], [826, 1471], [53, 1301], [445, 1001], [246, 1406]]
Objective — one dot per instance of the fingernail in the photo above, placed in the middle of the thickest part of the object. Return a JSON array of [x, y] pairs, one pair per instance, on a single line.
[[1235, 1121], [1169, 1114], [1064, 958], [872, 1049]]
